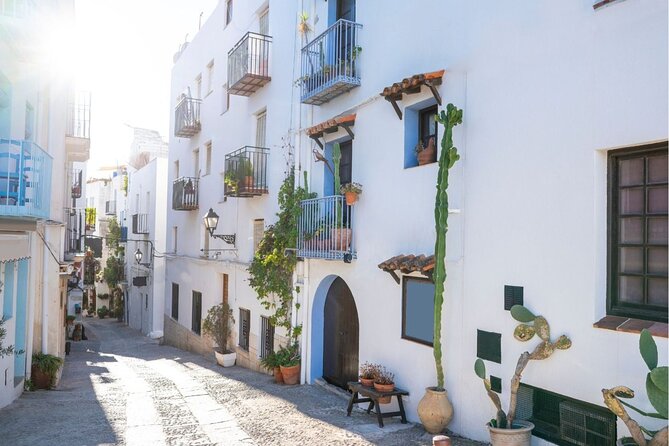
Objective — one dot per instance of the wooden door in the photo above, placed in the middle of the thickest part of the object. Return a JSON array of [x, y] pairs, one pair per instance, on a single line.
[[340, 337]]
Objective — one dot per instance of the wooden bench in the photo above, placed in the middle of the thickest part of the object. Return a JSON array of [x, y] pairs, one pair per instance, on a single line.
[[372, 396]]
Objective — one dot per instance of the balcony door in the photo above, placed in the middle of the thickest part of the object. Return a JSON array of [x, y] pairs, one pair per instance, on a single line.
[[346, 10]]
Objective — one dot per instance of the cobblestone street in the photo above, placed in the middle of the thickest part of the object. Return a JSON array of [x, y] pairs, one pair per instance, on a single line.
[[122, 388]]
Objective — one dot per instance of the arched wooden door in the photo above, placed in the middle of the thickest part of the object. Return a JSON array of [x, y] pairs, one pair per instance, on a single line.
[[340, 335]]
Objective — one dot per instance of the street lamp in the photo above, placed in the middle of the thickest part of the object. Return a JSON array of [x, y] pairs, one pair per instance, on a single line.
[[138, 258], [211, 223]]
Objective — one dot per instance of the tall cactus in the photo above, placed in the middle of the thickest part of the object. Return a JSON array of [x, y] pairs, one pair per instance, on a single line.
[[449, 155]]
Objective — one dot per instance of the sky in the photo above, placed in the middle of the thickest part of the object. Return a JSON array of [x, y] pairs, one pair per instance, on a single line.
[[124, 51]]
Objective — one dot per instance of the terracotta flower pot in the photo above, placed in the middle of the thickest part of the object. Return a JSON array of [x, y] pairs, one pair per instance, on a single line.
[[340, 239], [426, 156], [248, 182], [367, 382], [351, 197], [520, 435], [384, 388], [291, 375], [40, 379], [435, 410], [278, 377]]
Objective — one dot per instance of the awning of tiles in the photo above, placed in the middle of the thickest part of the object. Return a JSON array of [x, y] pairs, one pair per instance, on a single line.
[[412, 85], [407, 264], [331, 126]]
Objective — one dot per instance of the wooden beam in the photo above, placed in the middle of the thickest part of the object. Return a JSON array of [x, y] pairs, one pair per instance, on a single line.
[[348, 130], [434, 91], [394, 276], [315, 138], [393, 101]]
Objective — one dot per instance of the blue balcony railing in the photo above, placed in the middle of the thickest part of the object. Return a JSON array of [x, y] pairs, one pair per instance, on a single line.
[[330, 63], [325, 229], [25, 179]]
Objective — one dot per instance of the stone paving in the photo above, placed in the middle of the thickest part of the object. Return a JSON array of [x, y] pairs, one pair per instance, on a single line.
[[122, 388]]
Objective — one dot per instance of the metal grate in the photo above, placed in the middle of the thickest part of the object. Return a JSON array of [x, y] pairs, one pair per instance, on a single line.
[[583, 427], [175, 301], [244, 328], [513, 295], [267, 343], [489, 346]]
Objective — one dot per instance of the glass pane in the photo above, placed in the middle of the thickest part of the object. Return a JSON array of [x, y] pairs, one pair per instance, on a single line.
[[631, 260], [630, 289], [657, 230], [657, 261], [630, 172], [631, 201], [631, 230], [419, 310], [657, 169], [657, 200], [657, 291]]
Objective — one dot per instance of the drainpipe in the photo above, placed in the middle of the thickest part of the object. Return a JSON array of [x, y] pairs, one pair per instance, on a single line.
[[306, 328], [45, 293], [31, 302]]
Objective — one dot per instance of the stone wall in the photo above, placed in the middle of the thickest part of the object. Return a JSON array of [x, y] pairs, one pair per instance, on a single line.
[[180, 337]]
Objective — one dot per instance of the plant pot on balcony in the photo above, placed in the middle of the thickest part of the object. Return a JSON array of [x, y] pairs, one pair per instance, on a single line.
[[248, 182], [351, 198], [340, 239]]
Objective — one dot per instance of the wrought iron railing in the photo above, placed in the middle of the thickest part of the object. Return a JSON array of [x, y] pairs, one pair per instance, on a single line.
[[76, 183], [140, 223], [110, 207], [330, 63], [79, 116], [185, 194], [75, 230], [25, 179], [325, 229], [246, 172], [187, 117], [248, 64]]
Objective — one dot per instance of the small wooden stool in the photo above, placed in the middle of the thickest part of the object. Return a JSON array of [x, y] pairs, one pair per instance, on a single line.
[[372, 397]]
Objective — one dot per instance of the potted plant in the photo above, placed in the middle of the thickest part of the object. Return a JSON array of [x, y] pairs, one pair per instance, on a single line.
[[69, 319], [384, 382], [368, 373], [218, 325], [272, 362], [231, 183], [351, 192], [77, 332], [426, 155], [434, 409], [44, 369], [289, 363], [504, 428], [91, 310], [245, 173], [657, 383], [102, 312]]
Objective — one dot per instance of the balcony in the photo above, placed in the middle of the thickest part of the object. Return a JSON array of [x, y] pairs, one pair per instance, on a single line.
[[140, 223], [330, 63], [110, 207], [77, 135], [325, 229], [74, 231], [25, 179], [246, 172], [76, 183], [185, 194], [187, 118], [248, 64]]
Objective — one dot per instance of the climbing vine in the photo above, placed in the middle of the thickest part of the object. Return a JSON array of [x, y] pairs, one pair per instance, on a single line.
[[271, 270]]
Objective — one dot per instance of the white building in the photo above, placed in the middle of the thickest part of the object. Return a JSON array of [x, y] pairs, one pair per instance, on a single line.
[[557, 99], [43, 134], [146, 212]]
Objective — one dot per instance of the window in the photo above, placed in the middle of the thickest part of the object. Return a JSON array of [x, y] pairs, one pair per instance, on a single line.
[[175, 238], [198, 87], [244, 328], [196, 163], [345, 163], [267, 340], [30, 122], [418, 310], [176, 169], [258, 232], [196, 315], [563, 420], [225, 99], [228, 12], [637, 238], [261, 129], [428, 125], [175, 301], [421, 136], [146, 301], [263, 23], [207, 159], [210, 76]]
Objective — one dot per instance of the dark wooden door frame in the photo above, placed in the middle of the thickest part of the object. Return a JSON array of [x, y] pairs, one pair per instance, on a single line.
[[340, 335]]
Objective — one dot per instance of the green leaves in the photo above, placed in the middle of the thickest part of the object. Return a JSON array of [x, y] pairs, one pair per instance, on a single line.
[[659, 377], [524, 332], [479, 368], [657, 397], [522, 314], [648, 349]]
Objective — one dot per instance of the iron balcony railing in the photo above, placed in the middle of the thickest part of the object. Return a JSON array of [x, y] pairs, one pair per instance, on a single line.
[[25, 179], [330, 63], [248, 64], [325, 229], [187, 117], [110, 207], [79, 116], [185, 194], [75, 230], [140, 223], [246, 172], [76, 183]]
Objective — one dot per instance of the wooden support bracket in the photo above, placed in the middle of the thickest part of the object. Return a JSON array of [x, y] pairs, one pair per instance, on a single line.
[[348, 130], [393, 100], [320, 144], [434, 90]]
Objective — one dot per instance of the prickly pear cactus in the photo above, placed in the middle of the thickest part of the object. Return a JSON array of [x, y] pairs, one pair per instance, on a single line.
[[449, 155]]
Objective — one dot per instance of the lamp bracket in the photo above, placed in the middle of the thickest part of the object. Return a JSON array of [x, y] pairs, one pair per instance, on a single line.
[[227, 238]]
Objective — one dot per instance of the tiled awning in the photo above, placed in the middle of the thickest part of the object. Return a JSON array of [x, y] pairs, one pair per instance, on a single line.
[[412, 85], [331, 126], [407, 264]]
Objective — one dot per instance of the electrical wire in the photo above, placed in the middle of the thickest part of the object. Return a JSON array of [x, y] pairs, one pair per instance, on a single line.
[[48, 247]]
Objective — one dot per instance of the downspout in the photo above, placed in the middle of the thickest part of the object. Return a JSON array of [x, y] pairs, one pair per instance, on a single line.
[[31, 304], [45, 293]]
